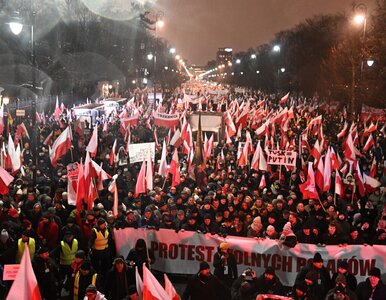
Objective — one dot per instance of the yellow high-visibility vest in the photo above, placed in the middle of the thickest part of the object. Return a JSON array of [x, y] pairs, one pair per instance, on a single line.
[[20, 249], [102, 241], [76, 283], [67, 254]]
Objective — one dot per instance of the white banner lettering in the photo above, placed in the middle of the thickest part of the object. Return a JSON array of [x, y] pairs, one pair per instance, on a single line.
[[139, 152], [281, 157], [181, 252]]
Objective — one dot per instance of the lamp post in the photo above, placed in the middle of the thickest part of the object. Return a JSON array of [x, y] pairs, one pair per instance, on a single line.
[[360, 18], [16, 27]]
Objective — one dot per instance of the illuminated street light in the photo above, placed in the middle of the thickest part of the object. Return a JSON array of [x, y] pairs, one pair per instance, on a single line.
[[172, 50], [370, 62], [282, 70], [160, 23], [238, 61], [253, 56], [178, 57], [150, 56], [276, 48], [133, 81], [359, 19], [229, 64], [257, 72], [16, 27]]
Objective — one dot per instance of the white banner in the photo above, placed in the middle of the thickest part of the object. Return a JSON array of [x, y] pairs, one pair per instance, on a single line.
[[281, 157], [139, 152], [181, 252]]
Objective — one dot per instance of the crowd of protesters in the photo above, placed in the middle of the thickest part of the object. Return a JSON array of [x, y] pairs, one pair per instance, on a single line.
[[71, 248]]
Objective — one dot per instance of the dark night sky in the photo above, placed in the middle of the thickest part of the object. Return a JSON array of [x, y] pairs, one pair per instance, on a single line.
[[198, 27]]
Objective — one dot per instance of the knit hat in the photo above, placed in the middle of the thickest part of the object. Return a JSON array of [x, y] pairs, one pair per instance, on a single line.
[[101, 221], [343, 264], [80, 254], [317, 257], [4, 236], [224, 246], [86, 265], [91, 289], [204, 265], [13, 213], [375, 272], [340, 279], [269, 270]]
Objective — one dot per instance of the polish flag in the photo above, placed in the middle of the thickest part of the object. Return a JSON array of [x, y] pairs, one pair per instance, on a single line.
[[349, 150], [1, 118], [101, 174], [314, 121], [256, 157], [60, 146], [262, 183], [175, 169], [360, 181], [5, 181], [231, 128], [170, 290], [140, 186], [152, 289], [342, 133], [25, 285], [162, 170], [284, 98], [176, 140], [114, 190], [316, 151], [92, 195], [371, 182], [262, 130], [308, 188], [327, 171], [92, 146], [370, 129], [338, 184], [149, 173], [373, 169], [369, 144], [14, 154], [138, 283], [319, 176], [80, 190], [112, 153], [57, 111], [48, 140], [241, 120]]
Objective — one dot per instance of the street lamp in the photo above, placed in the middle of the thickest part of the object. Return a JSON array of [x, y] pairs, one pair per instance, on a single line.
[[276, 48], [238, 61], [16, 27], [253, 56], [282, 70], [370, 62], [172, 50], [150, 56]]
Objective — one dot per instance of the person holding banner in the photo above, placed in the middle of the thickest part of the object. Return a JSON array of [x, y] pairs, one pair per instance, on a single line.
[[205, 286], [372, 288], [225, 265], [323, 279]]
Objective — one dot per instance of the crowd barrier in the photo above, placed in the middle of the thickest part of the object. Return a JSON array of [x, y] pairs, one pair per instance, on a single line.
[[180, 253]]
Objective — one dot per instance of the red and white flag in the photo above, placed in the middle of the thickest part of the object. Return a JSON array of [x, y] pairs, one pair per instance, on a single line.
[[60, 146], [308, 188], [140, 186], [14, 154], [319, 176], [138, 283], [5, 181], [1, 118], [170, 290], [92, 146], [25, 286], [327, 171], [149, 172], [360, 181], [342, 133], [284, 98], [175, 169], [81, 187], [162, 170], [338, 184], [370, 129], [231, 128], [112, 153], [152, 289], [262, 183], [369, 144], [114, 190], [371, 182], [57, 111], [373, 168], [48, 140]]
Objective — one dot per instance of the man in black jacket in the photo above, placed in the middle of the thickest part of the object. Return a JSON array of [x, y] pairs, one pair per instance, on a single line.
[[323, 279], [205, 286], [372, 287], [225, 265], [269, 283]]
